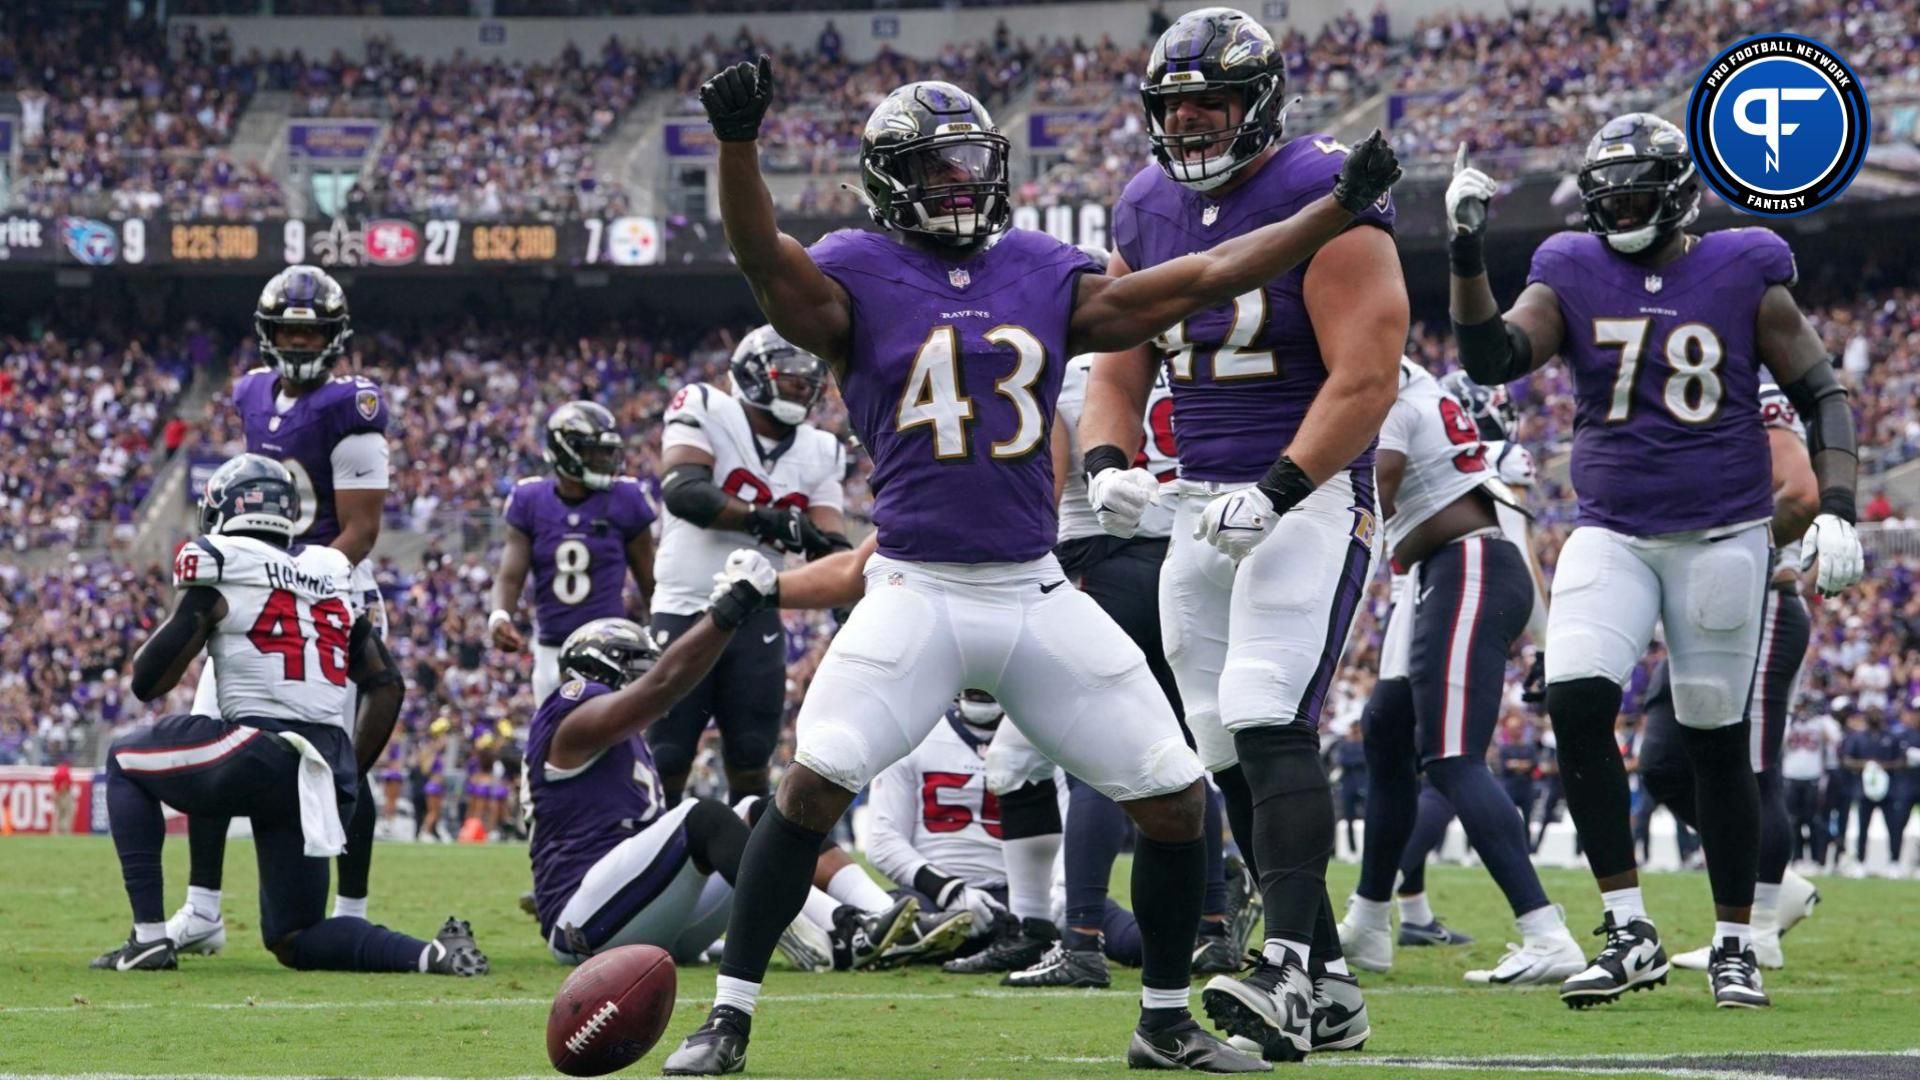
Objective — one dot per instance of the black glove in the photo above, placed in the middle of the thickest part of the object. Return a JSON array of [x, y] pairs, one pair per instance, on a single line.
[[737, 99], [785, 528], [738, 602], [1370, 170], [1533, 690]]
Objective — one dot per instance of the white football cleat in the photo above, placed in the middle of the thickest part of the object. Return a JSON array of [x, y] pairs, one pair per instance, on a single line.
[[1543, 959], [1765, 948], [193, 934], [1798, 898], [1367, 948], [806, 945]]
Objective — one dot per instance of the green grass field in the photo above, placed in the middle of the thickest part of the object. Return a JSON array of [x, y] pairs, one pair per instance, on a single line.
[[1853, 984]]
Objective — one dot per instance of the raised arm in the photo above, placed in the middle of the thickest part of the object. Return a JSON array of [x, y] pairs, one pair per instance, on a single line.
[[1493, 349], [809, 308], [1113, 314], [743, 588]]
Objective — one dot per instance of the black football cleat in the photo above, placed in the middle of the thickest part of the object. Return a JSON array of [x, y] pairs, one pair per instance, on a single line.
[[1735, 977], [155, 955], [1245, 909], [860, 939], [1215, 954], [1189, 1047], [717, 1048], [928, 938], [1062, 966], [1339, 1013], [1015, 947], [454, 952], [1631, 960], [1271, 1005]]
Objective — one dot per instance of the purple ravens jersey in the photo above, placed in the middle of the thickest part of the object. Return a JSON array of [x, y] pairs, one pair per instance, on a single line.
[[580, 814], [579, 550], [1667, 434], [303, 437], [951, 381], [1243, 373]]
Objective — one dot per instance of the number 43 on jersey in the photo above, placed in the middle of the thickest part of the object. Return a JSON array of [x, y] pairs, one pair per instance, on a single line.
[[934, 396]]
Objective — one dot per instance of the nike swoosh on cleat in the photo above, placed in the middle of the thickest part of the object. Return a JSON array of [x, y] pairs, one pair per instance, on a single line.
[[128, 964], [1050, 588]]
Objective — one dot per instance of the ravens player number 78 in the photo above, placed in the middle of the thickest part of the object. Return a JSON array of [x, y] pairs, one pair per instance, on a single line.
[[1664, 332]]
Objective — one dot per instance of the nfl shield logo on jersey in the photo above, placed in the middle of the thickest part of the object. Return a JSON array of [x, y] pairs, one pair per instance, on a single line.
[[959, 278], [1654, 283], [1209, 215]]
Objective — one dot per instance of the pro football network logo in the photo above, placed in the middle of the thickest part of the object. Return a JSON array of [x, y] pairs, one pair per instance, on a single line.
[[1779, 125]]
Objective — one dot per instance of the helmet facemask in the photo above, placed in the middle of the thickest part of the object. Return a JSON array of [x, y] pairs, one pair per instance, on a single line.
[[951, 186], [1227, 149], [1635, 202]]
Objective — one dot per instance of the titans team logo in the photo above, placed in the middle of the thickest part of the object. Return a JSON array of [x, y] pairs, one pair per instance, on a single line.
[[89, 241], [1779, 125]]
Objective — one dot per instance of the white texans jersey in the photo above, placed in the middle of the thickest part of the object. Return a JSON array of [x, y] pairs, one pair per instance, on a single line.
[[1445, 458], [282, 650], [1777, 412], [1511, 463], [933, 807], [806, 469], [1157, 456], [1803, 748]]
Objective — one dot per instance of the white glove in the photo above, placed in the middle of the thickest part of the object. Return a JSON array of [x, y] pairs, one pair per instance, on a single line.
[[1468, 183], [1120, 497], [986, 911], [1836, 545], [749, 566], [1236, 522]]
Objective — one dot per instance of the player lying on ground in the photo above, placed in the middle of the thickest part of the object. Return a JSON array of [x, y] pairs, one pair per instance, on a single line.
[[274, 620], [611, 865]]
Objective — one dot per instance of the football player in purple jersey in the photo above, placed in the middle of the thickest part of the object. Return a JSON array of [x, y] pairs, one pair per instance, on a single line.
[[1278, 392], [581, 532], [1664, 332], [948, 339], [330, 433]]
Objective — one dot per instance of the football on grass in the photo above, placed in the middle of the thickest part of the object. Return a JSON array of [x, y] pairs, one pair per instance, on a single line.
[[611, 1011]]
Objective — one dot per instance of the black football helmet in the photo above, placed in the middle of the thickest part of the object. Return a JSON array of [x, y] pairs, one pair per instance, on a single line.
[[932, 162], [775, 376], [1214, 50], [250, 494], [611, 652], [304, 296], [584, 444], [1491, 407], [1638, 183]]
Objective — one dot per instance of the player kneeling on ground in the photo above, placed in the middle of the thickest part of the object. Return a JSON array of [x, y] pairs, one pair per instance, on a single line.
[[609, 867], [273, 618]]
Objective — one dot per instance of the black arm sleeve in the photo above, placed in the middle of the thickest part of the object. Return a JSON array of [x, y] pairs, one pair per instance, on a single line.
[[183, 631], [689, 491], [1822, 403], [372, 665], [936, 886], [1494, 352]]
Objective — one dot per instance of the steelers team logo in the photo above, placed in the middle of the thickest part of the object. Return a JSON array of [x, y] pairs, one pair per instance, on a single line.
[[1779, 124]]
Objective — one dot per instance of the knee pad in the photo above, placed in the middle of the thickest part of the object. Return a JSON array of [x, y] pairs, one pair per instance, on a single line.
[[1706, 704], [837, 753], [1212, 742], [1254, 691], [1030, 810], [744, 750], [671, 757]]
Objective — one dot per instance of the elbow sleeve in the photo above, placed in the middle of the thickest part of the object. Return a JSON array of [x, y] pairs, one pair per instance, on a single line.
[[690, 494], [1494, 352], [1822, 403]]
